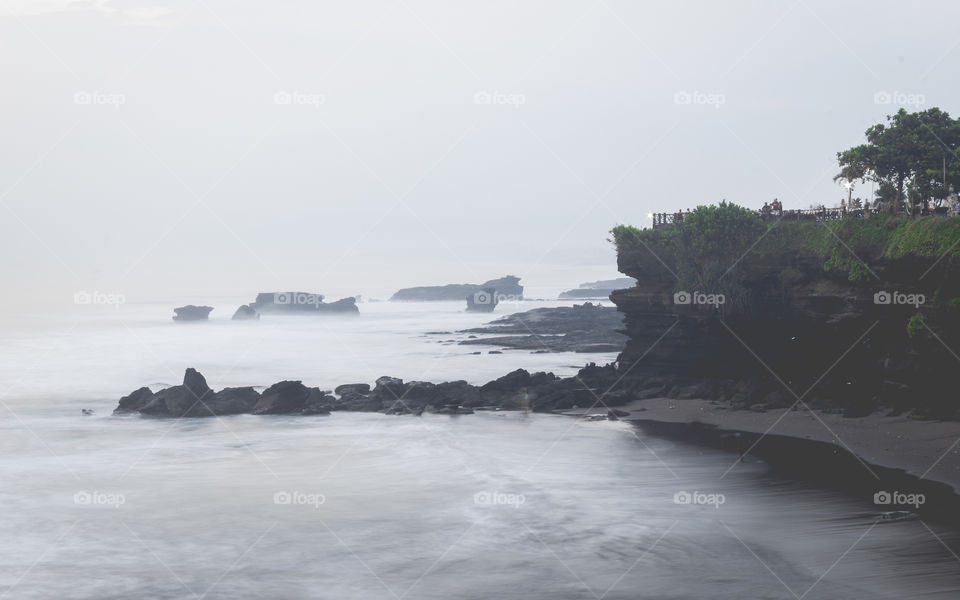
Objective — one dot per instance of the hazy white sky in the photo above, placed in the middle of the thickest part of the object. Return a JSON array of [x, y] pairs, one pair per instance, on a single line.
[[164, 149]]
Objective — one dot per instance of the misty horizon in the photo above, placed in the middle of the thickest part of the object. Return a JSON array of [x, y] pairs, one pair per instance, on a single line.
[[190, 150]]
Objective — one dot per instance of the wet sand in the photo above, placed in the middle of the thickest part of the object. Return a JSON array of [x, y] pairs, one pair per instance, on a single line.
[[928, 450]]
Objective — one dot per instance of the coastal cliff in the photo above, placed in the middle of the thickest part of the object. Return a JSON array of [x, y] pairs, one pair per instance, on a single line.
[[850, 315]]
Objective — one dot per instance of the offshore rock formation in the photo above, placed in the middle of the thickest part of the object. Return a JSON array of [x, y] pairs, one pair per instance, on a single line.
[[484, 300], [246, 313], [301, 303], [598, 289], [853, 315], [504, 286], [192, 313]]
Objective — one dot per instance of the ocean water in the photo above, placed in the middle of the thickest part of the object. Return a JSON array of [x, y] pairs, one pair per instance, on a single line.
[[90, 355], [492, 505]]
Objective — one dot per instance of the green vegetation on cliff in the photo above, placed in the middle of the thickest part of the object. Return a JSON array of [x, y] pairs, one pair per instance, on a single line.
[[717, 248], [715, 238]]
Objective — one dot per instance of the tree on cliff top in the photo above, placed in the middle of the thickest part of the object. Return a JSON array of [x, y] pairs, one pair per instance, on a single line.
[[915, 151]]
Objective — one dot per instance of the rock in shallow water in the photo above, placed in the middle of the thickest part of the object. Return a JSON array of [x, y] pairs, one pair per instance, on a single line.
[[285, 397], [246, 313], [517, 390], [134, 401]]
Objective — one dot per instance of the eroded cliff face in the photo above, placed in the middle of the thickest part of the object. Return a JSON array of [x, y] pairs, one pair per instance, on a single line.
[[802, 330]]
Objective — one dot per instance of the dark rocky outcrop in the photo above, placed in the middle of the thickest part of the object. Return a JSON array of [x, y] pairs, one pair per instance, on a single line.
[[580, 328], [190, 399], [135, 401], [234, 401], [301, 303], [246, 312], [192, 313], [517, 390], [318, 403], [357, 388], [504, 286], [286, 397], [803, 316]]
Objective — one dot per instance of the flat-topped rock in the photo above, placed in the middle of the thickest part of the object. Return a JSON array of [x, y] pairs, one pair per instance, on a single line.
[[301, 303], [191, 312]]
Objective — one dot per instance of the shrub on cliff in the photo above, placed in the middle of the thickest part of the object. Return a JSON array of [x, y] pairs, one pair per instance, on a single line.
[[701, 251], [714, 245]]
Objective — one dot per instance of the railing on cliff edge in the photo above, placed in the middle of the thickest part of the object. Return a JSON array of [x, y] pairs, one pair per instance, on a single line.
[[811, 214]]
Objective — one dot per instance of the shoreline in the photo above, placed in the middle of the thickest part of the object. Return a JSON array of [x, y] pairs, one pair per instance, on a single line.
[[861, 455]]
